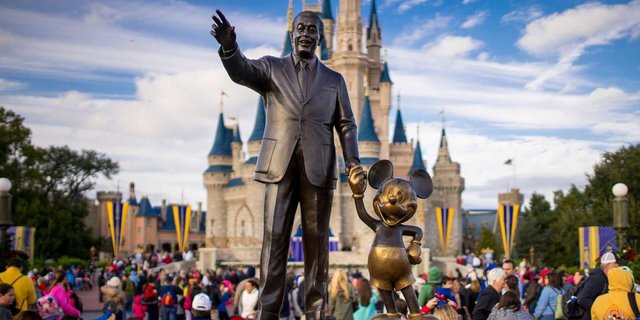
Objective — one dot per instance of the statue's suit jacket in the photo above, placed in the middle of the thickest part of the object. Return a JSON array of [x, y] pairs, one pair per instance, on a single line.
[[292, 117]]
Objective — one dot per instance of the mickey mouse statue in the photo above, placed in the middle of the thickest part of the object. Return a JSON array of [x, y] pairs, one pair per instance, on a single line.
[[389, 261]]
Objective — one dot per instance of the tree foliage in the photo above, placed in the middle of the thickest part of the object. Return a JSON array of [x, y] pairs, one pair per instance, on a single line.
[[554, 232], [49, 186]]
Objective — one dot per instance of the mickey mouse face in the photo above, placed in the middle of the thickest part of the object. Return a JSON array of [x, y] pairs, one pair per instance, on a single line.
[[395, 202]]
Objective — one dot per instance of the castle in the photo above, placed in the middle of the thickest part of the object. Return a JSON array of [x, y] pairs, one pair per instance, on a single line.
[[234, 219]]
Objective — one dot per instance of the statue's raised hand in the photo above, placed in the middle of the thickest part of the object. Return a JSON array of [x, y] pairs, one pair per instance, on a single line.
[[223, 31]]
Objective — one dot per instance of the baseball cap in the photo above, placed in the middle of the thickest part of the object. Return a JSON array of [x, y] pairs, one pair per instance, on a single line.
[[607, 258], [201, 302]]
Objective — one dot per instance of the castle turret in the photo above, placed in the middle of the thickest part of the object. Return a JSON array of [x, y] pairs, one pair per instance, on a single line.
[[347, 57], [374, 43], [216, 177], [236, 149], [449, 184], [400, 150], [381, 114], [286, 45], [327, 20], [132, 194]]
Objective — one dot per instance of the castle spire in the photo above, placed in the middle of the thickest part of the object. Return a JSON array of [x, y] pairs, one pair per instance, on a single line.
[[374, 25], [418, 163], [290, 16], [258, 127], [286, 45], [443, 152], [326, 10], [222, 141], [366, 129], [236, 134], [399, 135], [384, 76]]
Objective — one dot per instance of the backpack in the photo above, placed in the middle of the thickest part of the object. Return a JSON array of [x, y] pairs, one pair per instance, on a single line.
[[558, 313], [633, 304], [168, 300], [569, 303], [48, 308]]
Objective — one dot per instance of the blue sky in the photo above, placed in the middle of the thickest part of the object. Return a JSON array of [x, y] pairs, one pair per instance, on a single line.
[[551, 84]]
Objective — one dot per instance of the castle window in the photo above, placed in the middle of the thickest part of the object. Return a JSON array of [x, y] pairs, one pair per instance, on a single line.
[[350, 47], [242, 234]]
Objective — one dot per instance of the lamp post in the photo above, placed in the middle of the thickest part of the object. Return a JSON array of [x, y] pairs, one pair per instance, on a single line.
[[620, 211], [5, 215], [5, 202]]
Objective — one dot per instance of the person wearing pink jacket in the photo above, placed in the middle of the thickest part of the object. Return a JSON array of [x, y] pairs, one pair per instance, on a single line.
[[59, 291]]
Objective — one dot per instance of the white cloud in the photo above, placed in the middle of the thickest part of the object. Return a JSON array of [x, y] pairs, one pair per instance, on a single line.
[[465, 2], [542, 164], [80, 48], [474, 20], [408, 4], [8, 85], [449, 47], [568, 34], [420, 30], [525, 14]]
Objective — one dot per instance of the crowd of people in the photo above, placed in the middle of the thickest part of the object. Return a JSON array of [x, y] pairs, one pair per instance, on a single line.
[[139, 288]]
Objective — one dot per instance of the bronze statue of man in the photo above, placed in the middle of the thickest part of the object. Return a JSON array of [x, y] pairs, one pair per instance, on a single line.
[[305, 102]]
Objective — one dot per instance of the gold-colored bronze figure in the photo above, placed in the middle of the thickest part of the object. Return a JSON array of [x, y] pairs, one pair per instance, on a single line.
[[389, 261], [305, 102]]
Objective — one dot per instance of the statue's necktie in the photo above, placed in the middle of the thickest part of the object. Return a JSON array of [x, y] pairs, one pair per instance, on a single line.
[[303, 77]]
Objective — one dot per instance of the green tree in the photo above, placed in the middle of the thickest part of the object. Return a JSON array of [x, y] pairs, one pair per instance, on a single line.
[[571, 211], [620, 166], [488, 240], [533, 227], [49, 187]]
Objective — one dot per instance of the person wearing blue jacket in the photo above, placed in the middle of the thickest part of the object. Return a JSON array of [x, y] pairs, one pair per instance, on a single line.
[[547, 303]]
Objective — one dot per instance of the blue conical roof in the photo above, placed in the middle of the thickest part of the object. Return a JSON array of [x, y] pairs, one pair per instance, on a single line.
[[384, 76], [326, 10], [236, 135], [286, 46], [373, 17], [258, 126], [418, 163], [324, 51], [399, 135], [145, 208], [222, 142], [366, 129]]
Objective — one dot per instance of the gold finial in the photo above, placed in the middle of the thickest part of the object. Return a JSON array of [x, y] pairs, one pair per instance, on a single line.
[[441, 113], [290, 16], [418, 132], [398, 100]]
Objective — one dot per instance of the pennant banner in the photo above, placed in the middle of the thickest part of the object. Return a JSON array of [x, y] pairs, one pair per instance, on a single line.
[[182, 220], [593, 242], [508, 219], [444, 218], [296, 251], [23, 239], [117, 214]]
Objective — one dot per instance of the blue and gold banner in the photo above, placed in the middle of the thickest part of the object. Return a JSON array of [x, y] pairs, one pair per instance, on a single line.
[[117, 214], [593, 242], [444, 218], [23, 239], [508, 219], [182, 220]]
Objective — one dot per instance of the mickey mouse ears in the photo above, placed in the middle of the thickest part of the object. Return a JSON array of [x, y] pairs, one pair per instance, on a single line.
[[380, 172], [421, 182]]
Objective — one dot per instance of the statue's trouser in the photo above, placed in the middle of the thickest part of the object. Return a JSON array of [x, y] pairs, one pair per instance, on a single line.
[[281, 202]]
